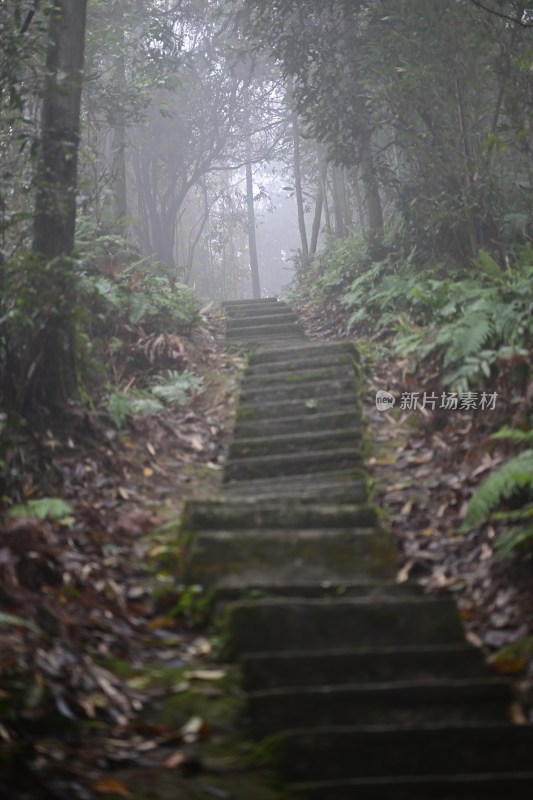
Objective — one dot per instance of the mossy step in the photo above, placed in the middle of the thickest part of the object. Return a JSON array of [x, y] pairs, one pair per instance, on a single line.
[[295, 442], [314, 361], [361, 587], [317, 422], [296, 376], [295, 487], [363, 665], [263, 330], [345, 622], [307, 463], [302, 352], [399, 702], [270, 310], [237, 323], [260, 301], [309, 391], [295, 408], [431, 749], [486, 786], [229, 558], [256, 344], [240, 514]]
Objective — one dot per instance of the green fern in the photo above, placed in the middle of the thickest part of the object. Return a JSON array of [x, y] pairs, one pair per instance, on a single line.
[[513, 540], [512, 477], [514, 435], [468, 336], [43, 508], [174, 388], [121, 405]]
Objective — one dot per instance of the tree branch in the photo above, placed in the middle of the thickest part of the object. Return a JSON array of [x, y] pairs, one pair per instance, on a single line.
[[503, 16]]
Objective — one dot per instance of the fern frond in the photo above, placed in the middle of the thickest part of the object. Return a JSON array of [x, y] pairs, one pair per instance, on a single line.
[[174, 388], [469, 337], [514, 435], [507, 543], [510, 478]]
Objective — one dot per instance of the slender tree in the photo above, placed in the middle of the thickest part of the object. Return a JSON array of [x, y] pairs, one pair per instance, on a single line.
[[52, 372]]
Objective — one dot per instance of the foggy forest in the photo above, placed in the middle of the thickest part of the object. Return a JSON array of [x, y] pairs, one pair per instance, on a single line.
[[266, 399]]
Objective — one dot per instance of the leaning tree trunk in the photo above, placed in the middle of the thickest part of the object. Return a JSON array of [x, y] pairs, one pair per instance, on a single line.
[[52, 375], [315, 230], [298, 187], [252, 240]]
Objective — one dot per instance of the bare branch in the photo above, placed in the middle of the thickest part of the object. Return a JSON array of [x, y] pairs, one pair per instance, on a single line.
[[508, 17]]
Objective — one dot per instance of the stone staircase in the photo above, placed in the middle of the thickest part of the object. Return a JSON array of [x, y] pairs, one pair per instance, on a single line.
[[368, 686]]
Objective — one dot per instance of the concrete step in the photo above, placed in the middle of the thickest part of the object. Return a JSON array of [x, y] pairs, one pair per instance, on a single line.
[[302, 353], [274, 625], [304, 407], [265, 329], [262, 301], [316, 360], [257, 312], [319, 590], [484, 786], [316, 422], [313, 390], [338, 487], [333, 753], [305, 374], [399, 702], [278, 556], [362, 665], [318, 363], [295, 443], [305, 463], [251, 514], [238, 323]]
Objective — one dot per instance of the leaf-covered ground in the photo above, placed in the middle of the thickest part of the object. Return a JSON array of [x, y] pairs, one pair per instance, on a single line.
[[95, 625], [425, 466]]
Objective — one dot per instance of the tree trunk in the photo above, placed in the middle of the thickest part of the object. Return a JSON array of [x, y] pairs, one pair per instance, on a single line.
[[252, 241], [323, 166], [358, 198], [338, 208], [118, 121], [52, 374], [315, 230], [370, 183], [298, 186]]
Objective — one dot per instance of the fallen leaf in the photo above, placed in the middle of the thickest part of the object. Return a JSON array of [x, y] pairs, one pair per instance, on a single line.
[[403, 574], [508, 664], [206, 674], [160, 622], [517, 714], [112, 786], [175, 760]]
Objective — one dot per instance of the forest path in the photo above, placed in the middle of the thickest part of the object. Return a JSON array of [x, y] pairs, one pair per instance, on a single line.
[[368, 686]]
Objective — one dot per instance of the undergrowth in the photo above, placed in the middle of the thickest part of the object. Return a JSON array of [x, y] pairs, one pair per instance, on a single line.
[[470, 326]]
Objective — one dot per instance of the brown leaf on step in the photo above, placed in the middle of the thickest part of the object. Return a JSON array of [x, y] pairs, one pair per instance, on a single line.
[[508, 665], [403, 574], [111, 786], [206, 674], [175, 760], [518, 715], [194, 729]]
